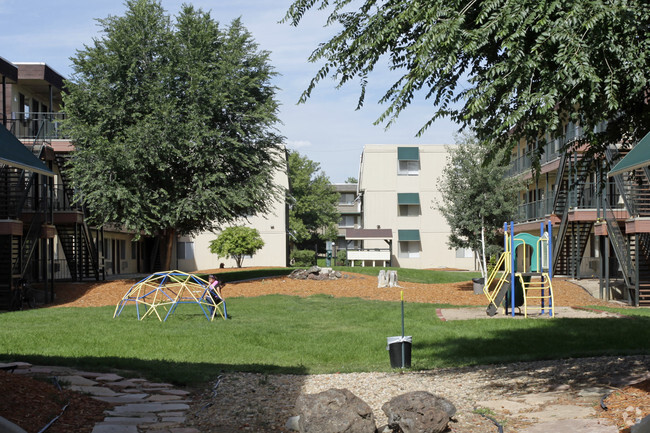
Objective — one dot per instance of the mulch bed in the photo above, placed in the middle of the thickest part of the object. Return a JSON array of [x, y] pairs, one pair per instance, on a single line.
[[32, 403]]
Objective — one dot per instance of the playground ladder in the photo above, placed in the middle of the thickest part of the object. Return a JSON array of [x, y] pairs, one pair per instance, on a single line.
[[541, 289]]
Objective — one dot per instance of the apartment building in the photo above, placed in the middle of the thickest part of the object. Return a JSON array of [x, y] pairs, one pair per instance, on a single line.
[[398, 189], [598, 219]]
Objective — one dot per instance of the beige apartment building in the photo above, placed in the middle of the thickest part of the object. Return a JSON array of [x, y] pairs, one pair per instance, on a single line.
[[398, 186]]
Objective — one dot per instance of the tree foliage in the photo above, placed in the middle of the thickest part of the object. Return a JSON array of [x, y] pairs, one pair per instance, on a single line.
[[313, 199], [476, 198], [173, 122], [237, 242], [511, 69]]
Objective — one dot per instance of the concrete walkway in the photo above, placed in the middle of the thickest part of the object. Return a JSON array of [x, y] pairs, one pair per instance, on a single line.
[[138, 402]]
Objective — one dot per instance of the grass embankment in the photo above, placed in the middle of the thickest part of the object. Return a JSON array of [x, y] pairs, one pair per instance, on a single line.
[[424, 276], [300, 335]]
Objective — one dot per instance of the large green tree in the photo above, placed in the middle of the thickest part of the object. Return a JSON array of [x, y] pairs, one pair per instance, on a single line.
[[173, 122], [312, 201], [477, 198], [511, 69]]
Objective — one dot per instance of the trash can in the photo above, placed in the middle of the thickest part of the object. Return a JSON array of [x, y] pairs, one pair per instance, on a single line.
[[394, 347], [478, 285]]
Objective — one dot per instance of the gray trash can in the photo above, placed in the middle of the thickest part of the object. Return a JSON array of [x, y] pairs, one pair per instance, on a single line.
[[395, 346], [478, 284]]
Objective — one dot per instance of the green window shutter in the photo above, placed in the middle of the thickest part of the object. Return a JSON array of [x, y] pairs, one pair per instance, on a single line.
[[408, 154], [408, 235], [408, 198]]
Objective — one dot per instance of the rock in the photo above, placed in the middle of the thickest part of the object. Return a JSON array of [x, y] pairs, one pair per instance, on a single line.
[[313, 270], [334, 411], [337, 274], [641, 427], [293, 423], [419, 412]]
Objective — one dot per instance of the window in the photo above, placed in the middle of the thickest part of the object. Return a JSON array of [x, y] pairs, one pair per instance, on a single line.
[[346, 198], [464, 253], [408, 161], [185, 250], [122, 249], [408, 204], [409, 210], [134, 250], [347, 221], [409, 168], [409, 249], [409, 243]]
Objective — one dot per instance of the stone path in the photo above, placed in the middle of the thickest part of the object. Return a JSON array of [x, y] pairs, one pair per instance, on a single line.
[[140, 405]]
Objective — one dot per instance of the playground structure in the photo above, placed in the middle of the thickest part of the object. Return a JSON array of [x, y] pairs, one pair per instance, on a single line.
[[160, 294], [519, 276]]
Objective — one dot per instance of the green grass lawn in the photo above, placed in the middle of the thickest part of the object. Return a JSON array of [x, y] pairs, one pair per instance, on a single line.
[[300, 335]]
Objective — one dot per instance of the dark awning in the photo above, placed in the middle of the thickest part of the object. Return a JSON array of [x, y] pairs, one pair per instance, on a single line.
[[411, 198], [408, 153], [15, 154], [408, 235], [638, 157]]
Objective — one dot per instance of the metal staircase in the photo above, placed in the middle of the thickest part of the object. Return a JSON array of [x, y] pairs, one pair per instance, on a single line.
[[572, 238], [76, 241], [631, 249]]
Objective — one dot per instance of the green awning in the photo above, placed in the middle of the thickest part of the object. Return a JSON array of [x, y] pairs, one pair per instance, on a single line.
[[408, 153], [638, 157], [408, 235], [411, 198], [15, 154]]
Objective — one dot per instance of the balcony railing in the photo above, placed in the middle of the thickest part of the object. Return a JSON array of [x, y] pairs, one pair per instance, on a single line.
[[552, 151], [587, 199], [36, 125], [61, 200]]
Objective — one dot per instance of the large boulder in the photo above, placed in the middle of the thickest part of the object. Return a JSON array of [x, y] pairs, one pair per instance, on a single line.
[[418, 412], [334, 411]]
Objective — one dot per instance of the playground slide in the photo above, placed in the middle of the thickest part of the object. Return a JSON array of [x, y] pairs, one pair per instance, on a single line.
[[498, 299]]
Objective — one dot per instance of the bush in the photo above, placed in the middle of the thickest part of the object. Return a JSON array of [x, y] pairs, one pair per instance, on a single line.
[[300, 258], [342, 258]]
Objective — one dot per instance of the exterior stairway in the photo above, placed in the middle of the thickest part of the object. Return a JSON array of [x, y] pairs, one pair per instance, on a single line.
[[76, 241], [571, 241], [632, 249]]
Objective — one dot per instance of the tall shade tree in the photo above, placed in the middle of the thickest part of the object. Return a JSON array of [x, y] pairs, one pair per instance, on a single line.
[[313, 200], [173, 123], [477, 198], [511, 69]]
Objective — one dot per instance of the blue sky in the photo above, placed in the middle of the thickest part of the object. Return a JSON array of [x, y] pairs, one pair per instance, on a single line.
[[327, 128]]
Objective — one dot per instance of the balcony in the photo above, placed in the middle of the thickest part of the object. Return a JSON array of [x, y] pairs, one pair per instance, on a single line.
[[36, 125], [587, 198], [552, 151]]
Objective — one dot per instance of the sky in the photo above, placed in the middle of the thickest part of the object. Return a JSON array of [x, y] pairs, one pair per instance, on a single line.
[[327, 128]]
